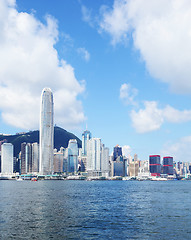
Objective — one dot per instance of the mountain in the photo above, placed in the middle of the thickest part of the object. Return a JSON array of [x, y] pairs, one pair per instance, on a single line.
[[61, 139]]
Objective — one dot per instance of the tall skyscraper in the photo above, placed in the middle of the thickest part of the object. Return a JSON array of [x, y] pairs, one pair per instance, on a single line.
[[46, 132], [7, 158], [86, 135]]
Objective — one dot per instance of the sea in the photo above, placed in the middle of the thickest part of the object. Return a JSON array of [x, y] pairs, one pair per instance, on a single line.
[[95, 210]]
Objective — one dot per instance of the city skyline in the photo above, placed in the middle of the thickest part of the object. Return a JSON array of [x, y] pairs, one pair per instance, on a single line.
[[130, 88]]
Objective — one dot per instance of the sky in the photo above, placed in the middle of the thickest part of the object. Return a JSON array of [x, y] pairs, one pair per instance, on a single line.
[[121, 68]]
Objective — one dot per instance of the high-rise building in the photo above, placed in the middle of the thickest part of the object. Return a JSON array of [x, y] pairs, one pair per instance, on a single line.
[[86, 135], [94, 156], [72, 156], [168, 165], [7, 158], [154, 165], [28, 152], [58, 162], [35, 157], [105, 168], [23, 158], [117, 152], [46, 132]]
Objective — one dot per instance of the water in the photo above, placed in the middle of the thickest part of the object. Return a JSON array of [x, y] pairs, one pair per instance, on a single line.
[[95, 210]]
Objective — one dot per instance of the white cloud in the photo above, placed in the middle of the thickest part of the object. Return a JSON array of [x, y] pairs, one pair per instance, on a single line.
[[127, 94], [84, 54], [161, 32], [86, 14], [148, 119], [126, 150], [151, 117], [29, 62], [180, 150]]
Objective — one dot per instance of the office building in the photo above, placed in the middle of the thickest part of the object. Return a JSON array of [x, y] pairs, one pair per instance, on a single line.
[[168, 165], [72, 156], [46, 133], [6, 159], [94, 156], [86, 135], [154, 165], [23, 158], [35, 157]]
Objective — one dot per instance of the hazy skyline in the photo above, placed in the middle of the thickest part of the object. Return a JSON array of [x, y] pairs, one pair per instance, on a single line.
[[121, 67]]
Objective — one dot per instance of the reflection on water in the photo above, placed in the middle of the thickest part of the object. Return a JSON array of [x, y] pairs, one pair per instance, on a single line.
[[95, 210]]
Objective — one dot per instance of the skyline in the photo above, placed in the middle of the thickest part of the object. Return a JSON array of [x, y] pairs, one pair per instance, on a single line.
[[122, 71]]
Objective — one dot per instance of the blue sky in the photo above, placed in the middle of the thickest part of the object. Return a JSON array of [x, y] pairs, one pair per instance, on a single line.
[[121, 67]]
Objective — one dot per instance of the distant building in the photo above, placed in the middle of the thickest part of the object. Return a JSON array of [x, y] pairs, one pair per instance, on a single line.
[[154, 165], [35, 157], [133, 169], [72, 156], [168, 165], [28, 152], [23, 158], [86, 135], [118, 167], [58, 162], [144, 169], [7, 158], [94, 156], [105, 168], [117, 152]]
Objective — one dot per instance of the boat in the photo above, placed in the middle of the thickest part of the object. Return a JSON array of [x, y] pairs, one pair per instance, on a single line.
[[19, 179], [34, 179]]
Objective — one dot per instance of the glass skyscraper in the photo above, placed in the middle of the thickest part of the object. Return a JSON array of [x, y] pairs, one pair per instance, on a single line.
[[86, 135], [72, 156], [46, 132]]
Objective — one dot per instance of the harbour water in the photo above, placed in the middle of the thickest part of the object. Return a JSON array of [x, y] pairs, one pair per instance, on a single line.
[[95, 210]]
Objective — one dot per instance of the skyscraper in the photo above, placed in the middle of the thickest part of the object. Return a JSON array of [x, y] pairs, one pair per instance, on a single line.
[[86, 135], [154, 165], [7, 158], [46, 132], [72, 156]]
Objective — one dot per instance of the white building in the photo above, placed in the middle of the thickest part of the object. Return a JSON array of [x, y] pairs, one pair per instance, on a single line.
[[94, 155], [46, 132], [7, 159]]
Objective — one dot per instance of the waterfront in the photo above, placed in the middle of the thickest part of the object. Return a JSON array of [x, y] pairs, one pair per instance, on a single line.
[[95, 210]]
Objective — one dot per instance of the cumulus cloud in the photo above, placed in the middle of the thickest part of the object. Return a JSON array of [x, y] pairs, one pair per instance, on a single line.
[[126, 150], [179, 150], [152, 117], [29, 62], [127, 94], [84, 54], [160, 31]]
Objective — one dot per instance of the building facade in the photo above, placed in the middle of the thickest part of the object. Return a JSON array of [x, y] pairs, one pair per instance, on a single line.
[[154, 165], [46, 132], [7, 159], [86, 135]]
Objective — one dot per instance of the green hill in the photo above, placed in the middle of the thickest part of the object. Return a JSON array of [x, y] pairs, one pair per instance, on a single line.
[[61, 139]]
